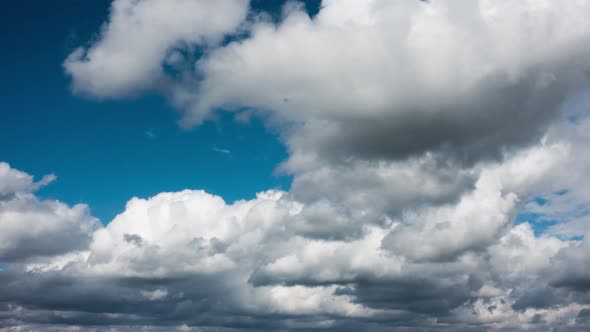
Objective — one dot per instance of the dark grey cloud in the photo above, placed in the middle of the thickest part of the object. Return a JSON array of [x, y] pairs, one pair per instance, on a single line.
[[496, 116], [540, 298], [583, 318], [415, 294]]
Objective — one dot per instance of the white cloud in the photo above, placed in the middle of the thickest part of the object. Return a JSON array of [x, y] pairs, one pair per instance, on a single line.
[[156, 295], [221, 150], [141, 35], [13, 181], [388, 80], [31, 227], [481, 216], [187, 249]]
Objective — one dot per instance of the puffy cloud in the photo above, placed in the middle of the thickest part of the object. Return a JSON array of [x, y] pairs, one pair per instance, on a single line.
[[154, 254], [190, 259], [386, 187], [141, 37], [388, 80], [13, 181], [519, 254], [478, 219], [570, 271], [385, 80], [31, 227], [185, 232]]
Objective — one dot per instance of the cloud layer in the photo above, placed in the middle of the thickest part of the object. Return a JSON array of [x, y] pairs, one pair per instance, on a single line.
[[418, 133], [188, 259]]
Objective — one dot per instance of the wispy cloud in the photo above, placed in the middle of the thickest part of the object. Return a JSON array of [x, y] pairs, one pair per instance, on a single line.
[[150, 134], [221, 150]]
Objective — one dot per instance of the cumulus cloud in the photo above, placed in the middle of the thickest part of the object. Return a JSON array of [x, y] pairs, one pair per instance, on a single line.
[[389, 80], [479, 217], [31, 227], [190, 259], [13, 182], [417, 132], [141, 37]]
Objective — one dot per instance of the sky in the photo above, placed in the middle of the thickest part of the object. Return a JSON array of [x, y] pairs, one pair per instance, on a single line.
[[106, 151], [333, 165]]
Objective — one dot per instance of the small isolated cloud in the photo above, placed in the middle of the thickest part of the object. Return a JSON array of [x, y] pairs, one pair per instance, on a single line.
[[221, 150]]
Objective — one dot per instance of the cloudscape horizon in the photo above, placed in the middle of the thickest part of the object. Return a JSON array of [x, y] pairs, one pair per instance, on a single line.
[[333, 165]]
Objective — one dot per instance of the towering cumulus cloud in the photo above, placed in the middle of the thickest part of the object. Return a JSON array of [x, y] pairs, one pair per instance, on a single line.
[[439, 153]]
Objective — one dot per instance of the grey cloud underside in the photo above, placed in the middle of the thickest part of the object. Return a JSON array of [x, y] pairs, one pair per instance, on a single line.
[[64, 300], [571, 271], [53, 300], [70, 230], [424, 299], [70, 294], [381, 88], [498, 115]]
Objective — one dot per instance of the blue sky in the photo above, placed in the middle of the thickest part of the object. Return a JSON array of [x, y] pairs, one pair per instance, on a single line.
[[105, 152]]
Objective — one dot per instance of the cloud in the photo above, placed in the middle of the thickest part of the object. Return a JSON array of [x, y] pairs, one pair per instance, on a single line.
[[416, 132], [158, 294], [142, 36], [221, 150], [31, 227], [391, 80], [479, 217], [13, 181], [190, 258]]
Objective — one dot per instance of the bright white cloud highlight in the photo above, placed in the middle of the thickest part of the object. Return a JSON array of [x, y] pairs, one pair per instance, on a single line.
[[141, 36]]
